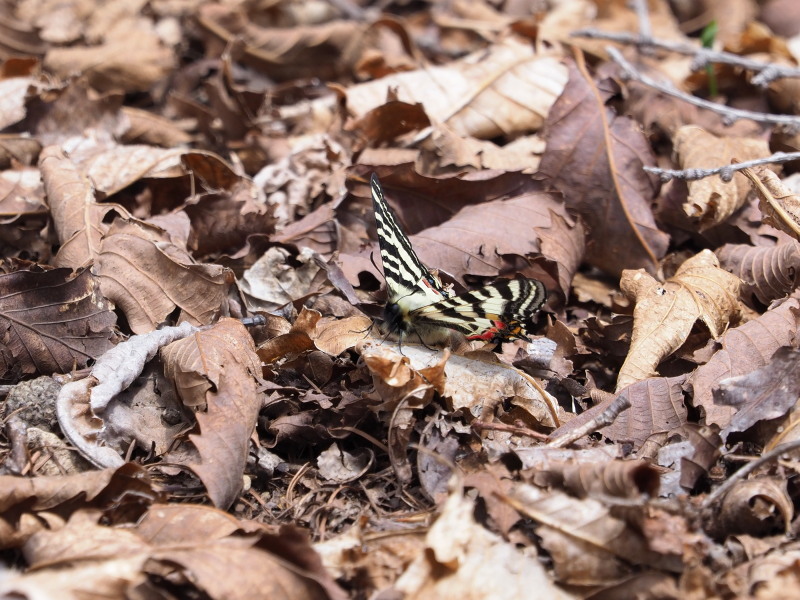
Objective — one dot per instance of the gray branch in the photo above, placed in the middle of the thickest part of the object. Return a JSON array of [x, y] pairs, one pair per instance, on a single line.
[[767, 72], [726, 172]]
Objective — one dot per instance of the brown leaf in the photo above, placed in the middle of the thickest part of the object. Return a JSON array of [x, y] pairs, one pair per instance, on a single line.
[[780, 207], [326, 50], [758, 507], [464, 560], [767, 272], [616, 478], [690, 452], [133, 60], [101, 418], [52, 322], [77, 217], [148, 278], [60, 496], [711, 201], [744, 349], [587, 543], [391, 120], [665, 314], [203, 551], [529, 225], [762, 394], [217, 369], [504, 90], [595, 158]]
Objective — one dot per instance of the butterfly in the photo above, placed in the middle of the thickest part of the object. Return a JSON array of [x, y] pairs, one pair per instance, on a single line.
[[418, 302]]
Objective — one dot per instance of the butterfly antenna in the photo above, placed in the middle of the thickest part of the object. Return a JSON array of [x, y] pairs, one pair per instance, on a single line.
[[372, 260]]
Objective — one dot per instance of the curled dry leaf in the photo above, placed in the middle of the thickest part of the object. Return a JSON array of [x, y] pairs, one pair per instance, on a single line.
[[464, 560], [690, 451], [28, 505], [780, 207], [595, 158], [475, 386], [665, 314], [272, 282], [656, 405], [326, 50], [763, 394], [147, 277], [81, 404], [767, 272], [616, 478], [744, 349], [757, 507], [77, 217], [133, 60], [711, 200], [506, 89], [51, 322], [205, 552], [217, 368], [586, 542]]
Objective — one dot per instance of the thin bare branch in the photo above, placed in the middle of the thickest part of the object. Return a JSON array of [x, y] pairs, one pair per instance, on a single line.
[[604, 419], [749, 468], [729, 114], [767, 72], [725, 172]]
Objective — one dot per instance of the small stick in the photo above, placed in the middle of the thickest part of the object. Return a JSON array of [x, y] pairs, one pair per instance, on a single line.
[[747, 469], [604, 419]]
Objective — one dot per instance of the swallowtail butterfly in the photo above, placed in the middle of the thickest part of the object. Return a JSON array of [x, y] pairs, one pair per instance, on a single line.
[[418, 302]]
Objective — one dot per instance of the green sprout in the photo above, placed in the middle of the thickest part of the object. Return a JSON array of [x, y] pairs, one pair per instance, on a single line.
[[707, 39]]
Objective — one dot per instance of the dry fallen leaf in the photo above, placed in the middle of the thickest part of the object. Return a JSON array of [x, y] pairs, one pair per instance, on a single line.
[[595, 158], [711, 201], [744, 349], [215, 372], [465, 561], [508, 90], [665, 314], [781, 208]]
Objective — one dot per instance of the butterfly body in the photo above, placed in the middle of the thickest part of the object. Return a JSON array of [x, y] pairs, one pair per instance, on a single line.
[[418, 303]]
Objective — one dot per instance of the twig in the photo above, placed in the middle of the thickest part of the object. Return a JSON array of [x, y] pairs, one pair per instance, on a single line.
[[747, 469], [725, 172], [729, 114], [512, 429], [643, 16], [767, 72], [604, 419]]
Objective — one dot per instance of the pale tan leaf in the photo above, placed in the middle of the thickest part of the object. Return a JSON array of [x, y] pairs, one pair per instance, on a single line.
[[464, 561], [505, 91], [665, 314], [711, 200], [77, 217], [587, 542]]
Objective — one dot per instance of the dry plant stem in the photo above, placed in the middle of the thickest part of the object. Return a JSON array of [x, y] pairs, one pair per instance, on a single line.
[[604, 419], [725, 172], [512, 429], [747, 469], [729, 114], [767, 72]]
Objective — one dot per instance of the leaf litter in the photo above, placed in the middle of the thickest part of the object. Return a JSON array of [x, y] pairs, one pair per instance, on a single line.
[[196, 400]]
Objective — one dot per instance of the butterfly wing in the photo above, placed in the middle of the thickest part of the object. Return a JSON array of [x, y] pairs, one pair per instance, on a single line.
[[501, 311], [405, 274]]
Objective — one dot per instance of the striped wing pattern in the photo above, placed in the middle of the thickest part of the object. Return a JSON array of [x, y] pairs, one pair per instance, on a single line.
[[417, 301], [405, 274], [501, 311]]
